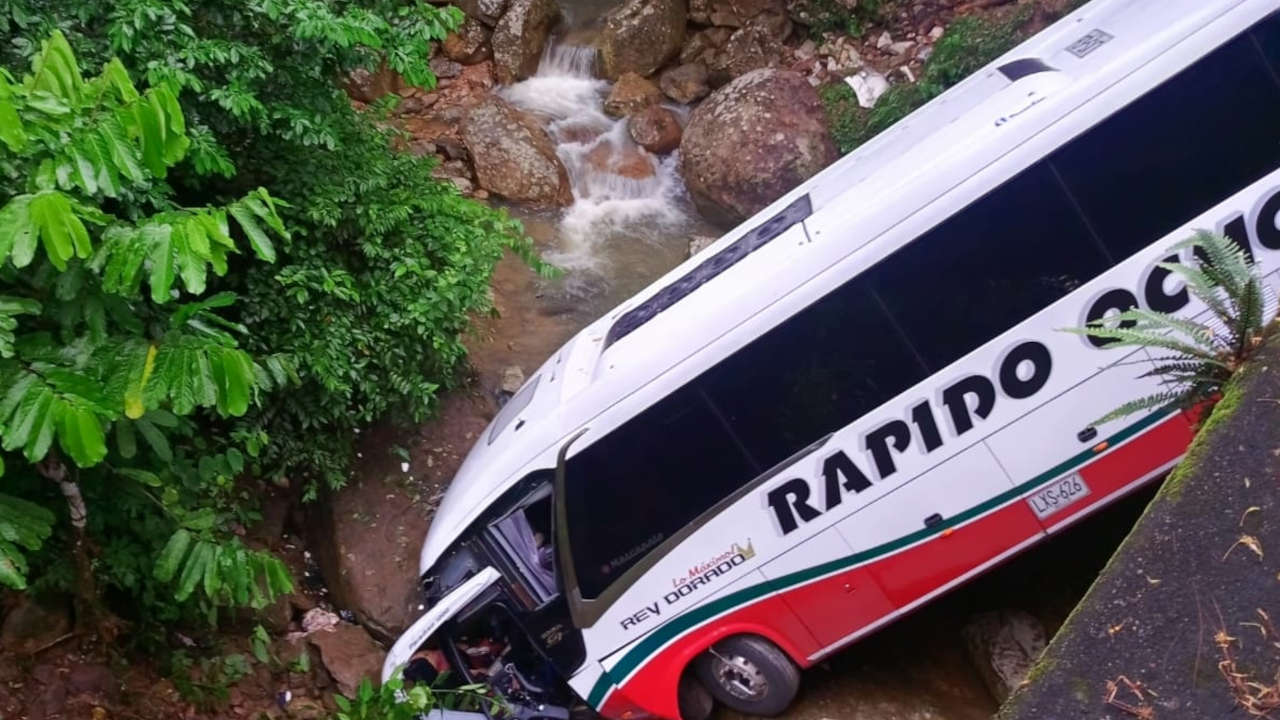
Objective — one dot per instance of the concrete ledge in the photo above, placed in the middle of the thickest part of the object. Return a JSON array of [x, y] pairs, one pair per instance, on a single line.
[[1203, 559]]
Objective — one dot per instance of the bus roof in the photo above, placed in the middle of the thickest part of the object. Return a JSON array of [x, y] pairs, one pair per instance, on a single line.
[[878, 186]]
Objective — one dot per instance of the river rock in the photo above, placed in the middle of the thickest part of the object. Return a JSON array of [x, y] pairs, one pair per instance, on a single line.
[[627, 162], [640, 36], [1004, 646], [752, 47], [349, 654], [703, 42], [685, 84], [751, 141], [655, 129], [486, 11], [520, 36], [443, 67], [698, 243], [631, 94], [469, 45], [513, 155], [33, 623]]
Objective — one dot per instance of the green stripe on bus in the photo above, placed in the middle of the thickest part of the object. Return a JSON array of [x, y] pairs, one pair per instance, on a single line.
[[655, 640]]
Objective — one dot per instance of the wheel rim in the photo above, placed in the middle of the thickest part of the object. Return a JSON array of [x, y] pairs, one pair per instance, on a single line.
[[739, 677]]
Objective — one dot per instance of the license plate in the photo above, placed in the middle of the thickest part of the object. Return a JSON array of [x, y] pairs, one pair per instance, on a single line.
[[1057, 495]]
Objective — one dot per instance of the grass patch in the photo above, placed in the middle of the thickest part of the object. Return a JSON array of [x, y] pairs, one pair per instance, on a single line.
[[967, 45], [826, 16]]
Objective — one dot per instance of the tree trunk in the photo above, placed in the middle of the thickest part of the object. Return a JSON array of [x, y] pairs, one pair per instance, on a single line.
[[91, 617]]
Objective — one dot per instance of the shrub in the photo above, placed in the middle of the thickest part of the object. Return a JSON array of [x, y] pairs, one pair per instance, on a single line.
[[102, 381], [384, 264]]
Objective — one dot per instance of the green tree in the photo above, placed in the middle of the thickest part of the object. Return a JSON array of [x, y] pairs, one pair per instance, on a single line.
[[1196, 357], [89, 362], [374, 287]]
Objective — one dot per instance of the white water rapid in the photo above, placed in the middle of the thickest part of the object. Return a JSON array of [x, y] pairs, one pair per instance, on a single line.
[[622, 194]]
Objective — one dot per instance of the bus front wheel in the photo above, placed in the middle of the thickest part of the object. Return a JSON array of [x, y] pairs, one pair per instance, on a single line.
[[750, 675]]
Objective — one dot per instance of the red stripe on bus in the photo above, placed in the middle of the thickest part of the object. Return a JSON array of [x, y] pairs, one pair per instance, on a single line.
[[891, 582], [1137, 458]]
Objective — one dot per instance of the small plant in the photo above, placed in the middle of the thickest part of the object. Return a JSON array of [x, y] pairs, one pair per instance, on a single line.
[[1197, 358], [392, 701]]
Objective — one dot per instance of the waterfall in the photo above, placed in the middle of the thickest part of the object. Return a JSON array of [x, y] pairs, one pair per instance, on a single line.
[[620, 191]]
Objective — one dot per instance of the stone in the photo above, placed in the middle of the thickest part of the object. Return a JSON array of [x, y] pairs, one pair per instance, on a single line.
[[366, 86], [443, 67], [34, 623], [631, 94], [655, 129], [749, 48], [1004, 645], [751, 141], [884, 41], [520, 36], [730, 13], [902, 47], [349, 654], [685, 84], [698, 243], [514, 156], [304, 708], [94, 680], [640, 36], [470, 44], [936, 32], [512, 379], [625, 162], [485, 11], [704, 42], [318, 619]]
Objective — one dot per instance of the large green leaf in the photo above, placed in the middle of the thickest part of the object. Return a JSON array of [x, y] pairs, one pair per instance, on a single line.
[[17, 233], [10, 307], [171, 557], [54, 69], [23, 525], [159, 241], [61, 232]]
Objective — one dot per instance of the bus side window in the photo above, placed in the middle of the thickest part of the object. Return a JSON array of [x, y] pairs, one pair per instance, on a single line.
[[1183, 147], [988, 267], [818, 371], [644, 481]]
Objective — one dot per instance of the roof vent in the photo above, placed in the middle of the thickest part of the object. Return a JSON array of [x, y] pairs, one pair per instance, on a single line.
[[753, 240], [1018, 69]]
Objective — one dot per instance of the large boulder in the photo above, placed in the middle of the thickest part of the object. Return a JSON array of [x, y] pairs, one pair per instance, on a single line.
[[640, 36], [630, 95], [751, 47], [514, 156], [349, 654], [1004, 646], [655, 129], [486, 11], [469, 45], [520, 36], [751, 141]]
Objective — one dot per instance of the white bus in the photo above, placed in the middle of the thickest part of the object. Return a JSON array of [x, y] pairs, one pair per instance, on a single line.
[[861, 397]]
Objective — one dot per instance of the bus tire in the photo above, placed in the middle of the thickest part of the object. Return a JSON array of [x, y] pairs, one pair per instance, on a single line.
[[749, 674]]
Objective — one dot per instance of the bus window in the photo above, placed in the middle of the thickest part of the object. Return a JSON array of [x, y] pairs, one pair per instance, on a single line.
[[813, 374], [988, 267], [643, 482], [1178, 150]]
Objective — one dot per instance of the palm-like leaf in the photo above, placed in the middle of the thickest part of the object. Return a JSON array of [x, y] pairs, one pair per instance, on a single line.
[[1200, 357]]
